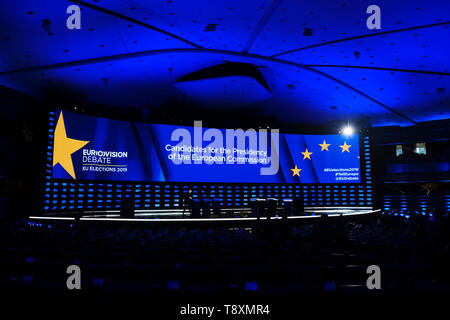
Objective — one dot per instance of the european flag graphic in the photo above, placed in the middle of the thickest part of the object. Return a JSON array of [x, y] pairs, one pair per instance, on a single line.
[[321, 158]]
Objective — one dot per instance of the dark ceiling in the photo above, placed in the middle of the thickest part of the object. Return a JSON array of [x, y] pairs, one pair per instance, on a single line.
[[317, 58]]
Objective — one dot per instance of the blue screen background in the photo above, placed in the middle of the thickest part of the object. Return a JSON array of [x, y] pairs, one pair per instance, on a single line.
[[147, 157]]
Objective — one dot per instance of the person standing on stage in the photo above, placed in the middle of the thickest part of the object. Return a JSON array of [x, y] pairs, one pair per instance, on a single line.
[[187, 201]]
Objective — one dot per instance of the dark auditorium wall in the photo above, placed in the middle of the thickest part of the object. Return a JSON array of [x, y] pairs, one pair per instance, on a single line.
[[20, 153], [412, 177]]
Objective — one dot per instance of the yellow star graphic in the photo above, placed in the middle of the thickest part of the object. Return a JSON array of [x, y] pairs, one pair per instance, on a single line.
[[324, 145], [345, 147], [296, 171], [306, 154], [64, 147]]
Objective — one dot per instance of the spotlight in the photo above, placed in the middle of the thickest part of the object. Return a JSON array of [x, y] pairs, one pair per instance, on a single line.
[[348, 131]]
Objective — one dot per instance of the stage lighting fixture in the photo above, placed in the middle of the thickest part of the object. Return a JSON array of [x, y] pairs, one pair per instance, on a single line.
[[348, 131]]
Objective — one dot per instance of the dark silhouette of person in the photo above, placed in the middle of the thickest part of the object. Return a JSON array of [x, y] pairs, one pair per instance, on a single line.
[[268, 232], [321, 233], [187, 201], [284, 229]]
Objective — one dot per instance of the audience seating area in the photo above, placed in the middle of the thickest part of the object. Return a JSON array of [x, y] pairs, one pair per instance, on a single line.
[[270, 258]]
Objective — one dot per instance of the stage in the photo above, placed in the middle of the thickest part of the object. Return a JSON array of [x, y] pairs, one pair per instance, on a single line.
[[231, 217]]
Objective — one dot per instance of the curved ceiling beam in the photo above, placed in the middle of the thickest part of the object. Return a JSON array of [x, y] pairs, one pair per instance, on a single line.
[[132, 20], [201, 50], [364, 95], [375, 34], [377, 68], [261, 23]]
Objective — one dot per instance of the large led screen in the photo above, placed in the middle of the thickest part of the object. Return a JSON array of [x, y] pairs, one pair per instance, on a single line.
[[93, 148]]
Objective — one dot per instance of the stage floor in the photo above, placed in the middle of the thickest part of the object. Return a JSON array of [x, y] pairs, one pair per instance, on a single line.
[[228, 217]]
